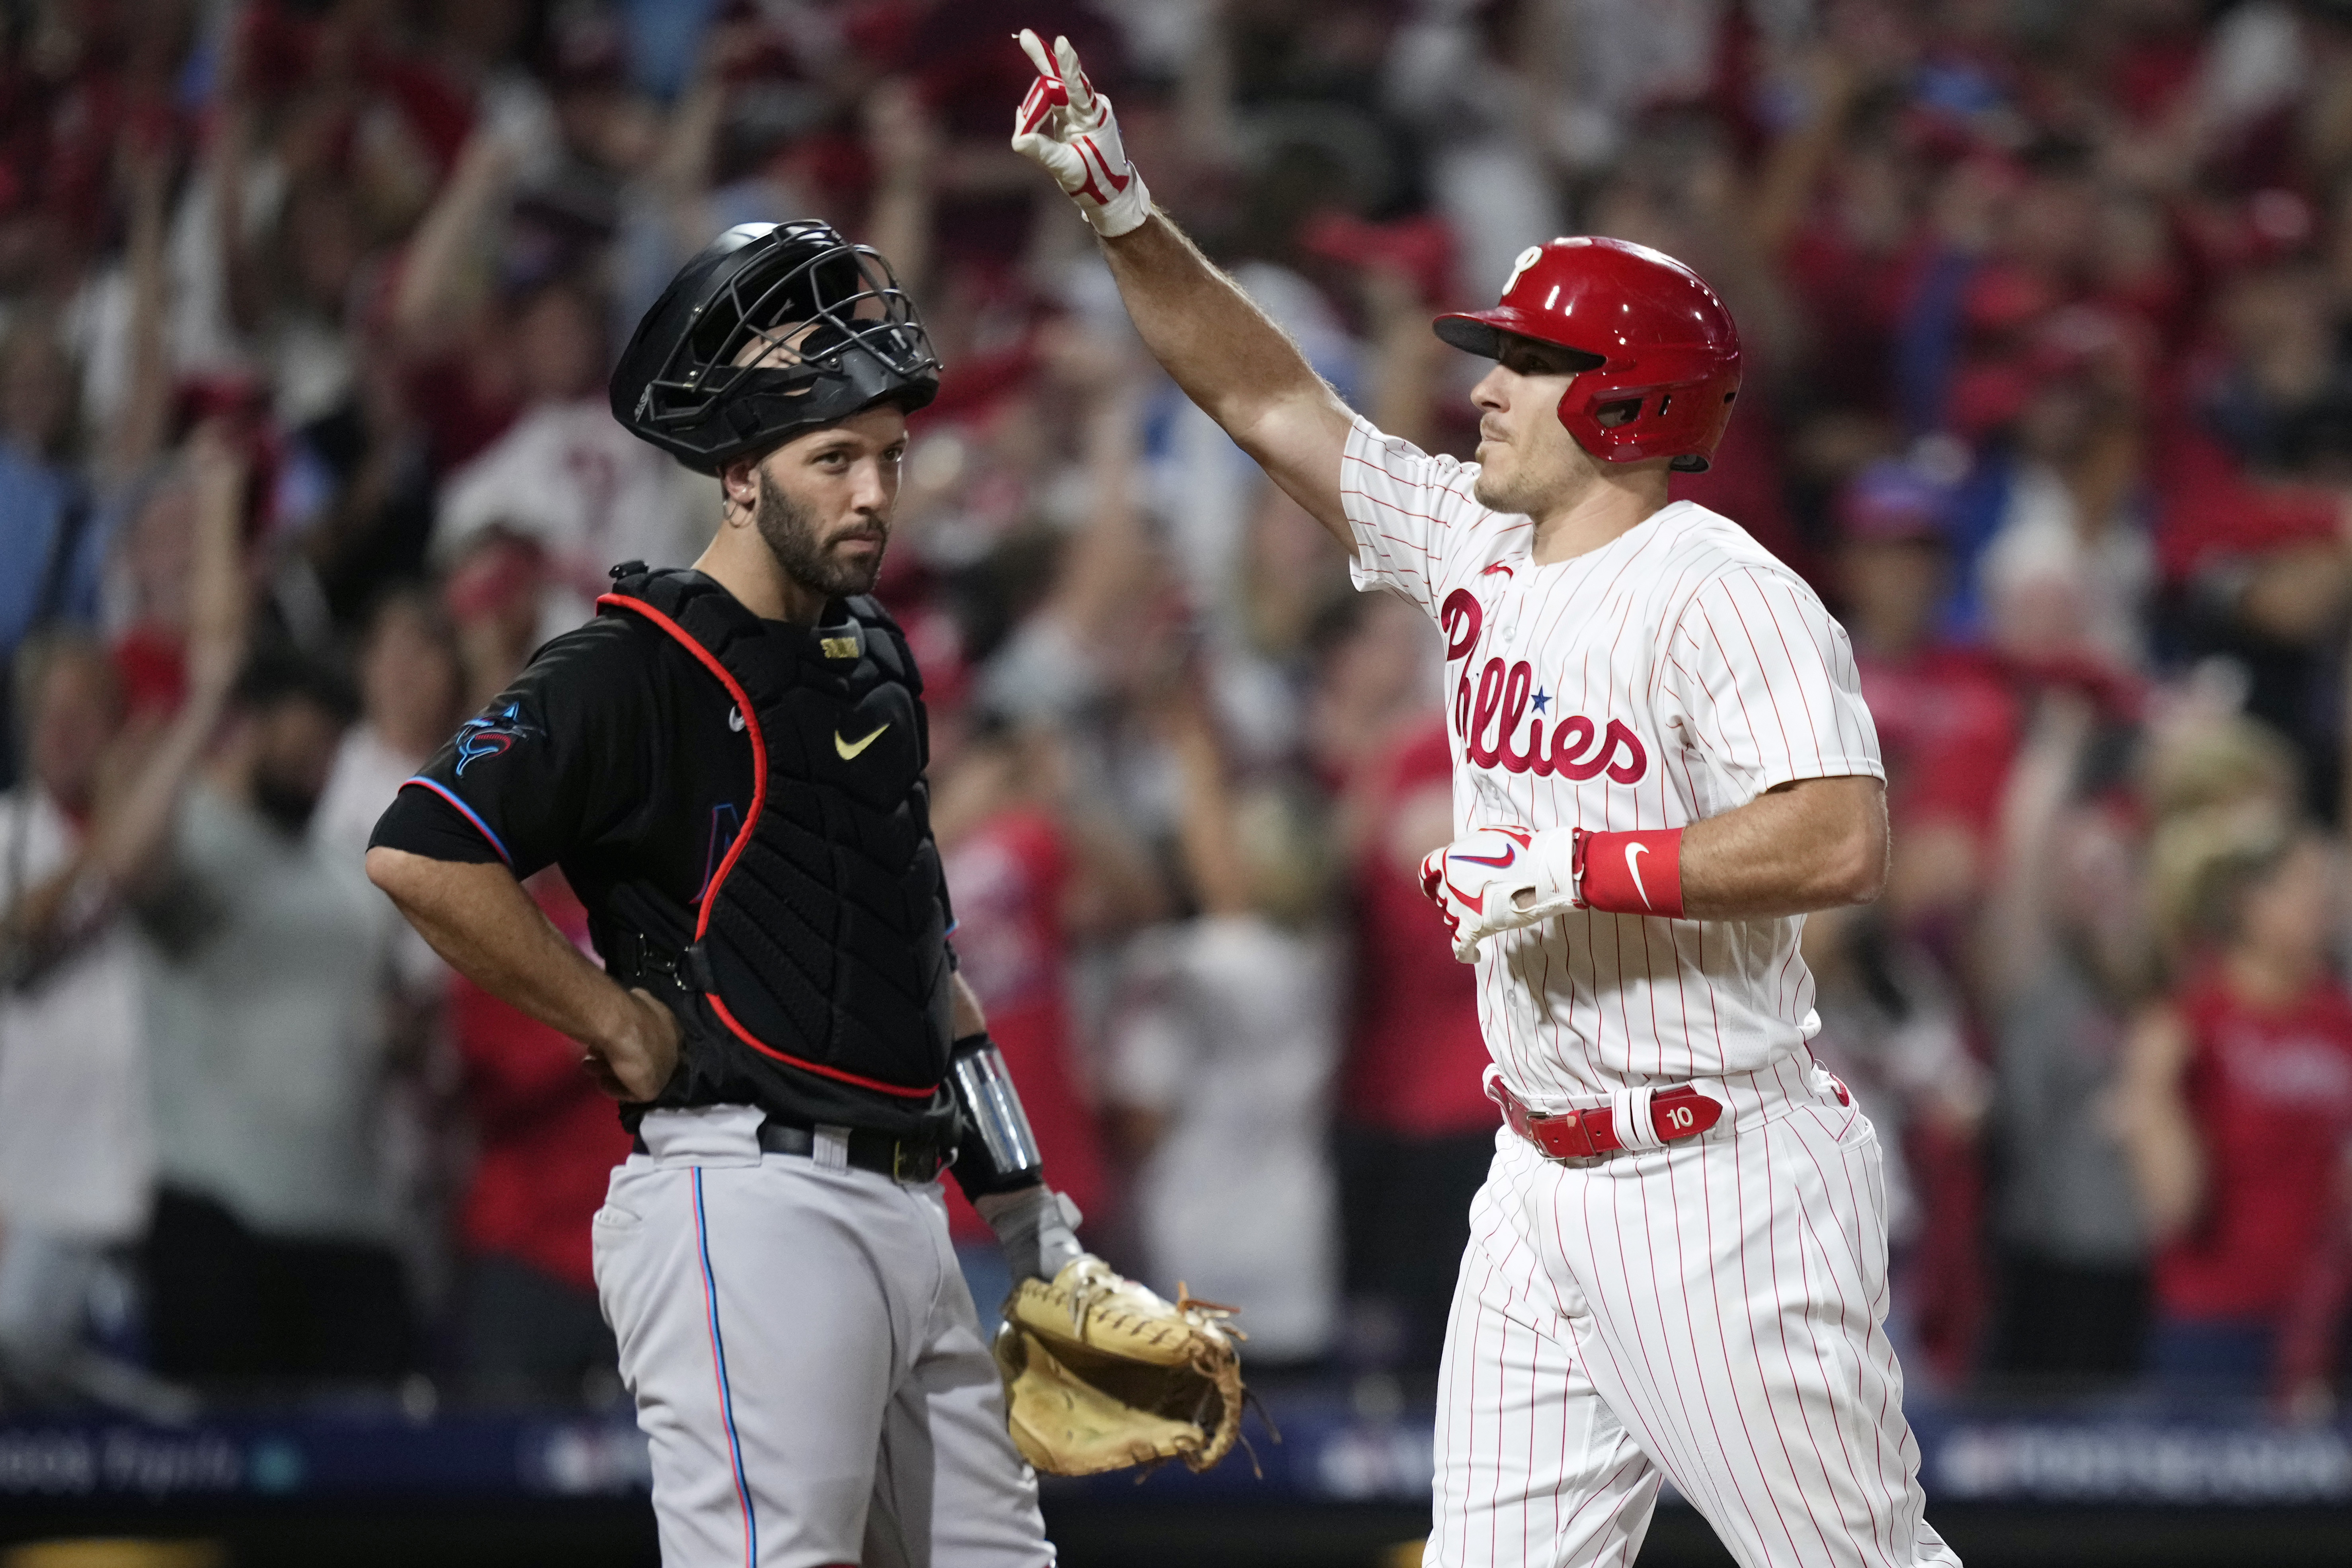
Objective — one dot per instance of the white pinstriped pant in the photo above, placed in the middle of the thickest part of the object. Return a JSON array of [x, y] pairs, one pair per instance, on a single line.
[[1709, 1311]]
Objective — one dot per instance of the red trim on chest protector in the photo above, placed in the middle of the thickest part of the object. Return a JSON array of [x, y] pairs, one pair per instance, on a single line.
[[743, 837], [1675, 1113]]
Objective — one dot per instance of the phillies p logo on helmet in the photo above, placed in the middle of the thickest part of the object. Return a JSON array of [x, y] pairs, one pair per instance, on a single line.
[[1528, 257]]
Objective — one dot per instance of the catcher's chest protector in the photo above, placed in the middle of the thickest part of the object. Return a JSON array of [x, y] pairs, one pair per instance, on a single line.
[[821, 942]]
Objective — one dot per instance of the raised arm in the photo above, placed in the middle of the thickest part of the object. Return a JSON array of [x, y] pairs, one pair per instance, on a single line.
[[1228, 355], [2156, 1127], [125, 856], [2015, 930]]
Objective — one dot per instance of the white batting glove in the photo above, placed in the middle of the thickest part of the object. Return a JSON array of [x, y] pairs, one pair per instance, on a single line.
[[1066, 125], [1498, 879]]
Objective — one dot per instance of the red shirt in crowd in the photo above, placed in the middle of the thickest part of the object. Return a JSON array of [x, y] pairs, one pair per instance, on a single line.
[[1007, 878], [1416, 1061], [549, 1137], [2211, 510], [2271, 1095], [1948, 729]]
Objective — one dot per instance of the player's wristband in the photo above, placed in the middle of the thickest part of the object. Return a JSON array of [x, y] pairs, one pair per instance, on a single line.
[[997, 1152], [1631, 873]]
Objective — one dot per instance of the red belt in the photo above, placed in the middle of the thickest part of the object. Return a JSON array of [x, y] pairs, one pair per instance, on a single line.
[[1678, 1112]]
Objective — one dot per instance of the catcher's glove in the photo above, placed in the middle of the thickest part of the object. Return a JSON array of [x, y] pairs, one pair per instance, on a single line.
[[1100, 1373]]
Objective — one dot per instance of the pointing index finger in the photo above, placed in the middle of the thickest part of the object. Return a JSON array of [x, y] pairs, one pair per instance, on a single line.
[[1034, 47]]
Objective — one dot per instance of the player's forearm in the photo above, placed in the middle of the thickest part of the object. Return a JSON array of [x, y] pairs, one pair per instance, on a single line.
[[968, 1017], [1226, 354], [479, 917], [1813, 844]]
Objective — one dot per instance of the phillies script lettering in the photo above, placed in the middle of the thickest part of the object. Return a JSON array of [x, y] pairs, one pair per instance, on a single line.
[[1496, 705]]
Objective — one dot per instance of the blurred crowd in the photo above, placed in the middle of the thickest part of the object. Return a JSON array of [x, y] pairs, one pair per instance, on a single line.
[[305, 311]]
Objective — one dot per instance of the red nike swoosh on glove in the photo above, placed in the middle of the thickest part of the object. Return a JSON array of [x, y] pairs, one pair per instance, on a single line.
[[1509, 855]]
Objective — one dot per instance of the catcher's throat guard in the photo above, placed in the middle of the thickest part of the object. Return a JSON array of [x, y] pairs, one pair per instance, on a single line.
[[772, 330]]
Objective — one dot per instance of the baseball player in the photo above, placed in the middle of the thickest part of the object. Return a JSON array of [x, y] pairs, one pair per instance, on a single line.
[[728, 764], [1677, 1264]]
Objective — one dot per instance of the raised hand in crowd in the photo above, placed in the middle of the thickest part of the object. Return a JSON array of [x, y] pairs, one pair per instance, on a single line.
[[147, 765], [904, 144]]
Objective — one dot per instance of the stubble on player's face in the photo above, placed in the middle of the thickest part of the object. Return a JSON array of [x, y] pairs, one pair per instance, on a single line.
[[1528, 463], [825, 500]]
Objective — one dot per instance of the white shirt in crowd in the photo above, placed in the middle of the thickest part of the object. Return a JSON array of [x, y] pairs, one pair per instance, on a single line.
[[568, 475], [267, 1040], [76, 1151], [368, 773], [1229, 1033]]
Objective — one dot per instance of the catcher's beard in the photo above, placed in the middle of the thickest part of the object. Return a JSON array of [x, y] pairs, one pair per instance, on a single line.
[[789, 530]]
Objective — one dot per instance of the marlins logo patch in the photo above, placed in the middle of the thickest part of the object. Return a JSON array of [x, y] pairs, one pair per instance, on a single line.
[[489, 736]]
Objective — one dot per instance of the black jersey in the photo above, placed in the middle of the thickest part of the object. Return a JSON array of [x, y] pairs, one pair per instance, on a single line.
[[619, 756]]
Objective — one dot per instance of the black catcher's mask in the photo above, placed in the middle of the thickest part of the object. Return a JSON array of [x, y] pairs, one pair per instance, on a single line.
[[842, 336]]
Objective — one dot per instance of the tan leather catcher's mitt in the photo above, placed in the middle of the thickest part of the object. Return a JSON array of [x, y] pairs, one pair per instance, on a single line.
[[1101, 1373]]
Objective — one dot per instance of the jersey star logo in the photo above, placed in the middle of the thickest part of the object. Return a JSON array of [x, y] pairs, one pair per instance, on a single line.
[[849, 750], [1539, 700]]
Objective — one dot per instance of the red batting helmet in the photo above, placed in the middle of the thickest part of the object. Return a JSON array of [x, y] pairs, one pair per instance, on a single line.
[[1664, 355]]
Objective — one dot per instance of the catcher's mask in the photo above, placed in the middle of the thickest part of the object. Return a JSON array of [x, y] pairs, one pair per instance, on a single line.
[[773, 329], [1661, 354]]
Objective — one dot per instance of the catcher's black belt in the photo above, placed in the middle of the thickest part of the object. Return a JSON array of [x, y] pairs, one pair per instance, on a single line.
[[902, 1159]]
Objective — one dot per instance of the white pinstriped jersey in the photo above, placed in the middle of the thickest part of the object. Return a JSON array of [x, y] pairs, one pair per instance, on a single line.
[[1672, 674]]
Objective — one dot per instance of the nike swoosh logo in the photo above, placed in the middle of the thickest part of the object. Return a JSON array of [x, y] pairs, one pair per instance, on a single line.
[[850, 749], [1507, 856], [735, 720], [1634, 869]]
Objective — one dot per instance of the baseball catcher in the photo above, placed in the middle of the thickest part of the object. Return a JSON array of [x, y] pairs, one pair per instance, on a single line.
[[729, 764]]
